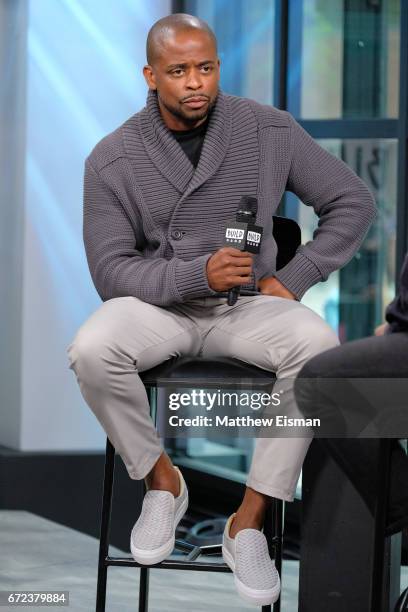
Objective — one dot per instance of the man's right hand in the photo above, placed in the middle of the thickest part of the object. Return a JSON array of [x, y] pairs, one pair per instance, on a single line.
[[229, 267]]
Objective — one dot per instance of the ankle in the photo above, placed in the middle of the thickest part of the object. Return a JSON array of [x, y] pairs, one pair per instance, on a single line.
[[159, 485], [250, 513], [245, 521], [164, 480]]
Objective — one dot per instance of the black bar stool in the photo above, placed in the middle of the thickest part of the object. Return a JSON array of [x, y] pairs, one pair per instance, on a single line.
[[187, 372], [197, 372]]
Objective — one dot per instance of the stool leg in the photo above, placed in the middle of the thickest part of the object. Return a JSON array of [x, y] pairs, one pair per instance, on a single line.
[[273, 532], [380, 514], [105, 525], [268, 533], [144, 571], [144, 589], [278, 525]]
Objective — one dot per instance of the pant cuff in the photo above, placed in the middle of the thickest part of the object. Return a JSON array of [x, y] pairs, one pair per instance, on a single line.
[[141, 471], [262, 487]]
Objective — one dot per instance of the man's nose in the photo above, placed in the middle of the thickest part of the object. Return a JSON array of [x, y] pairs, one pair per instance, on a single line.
[[194, 80]]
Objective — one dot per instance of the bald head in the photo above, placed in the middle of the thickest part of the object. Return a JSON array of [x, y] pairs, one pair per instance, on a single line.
[[167, 27], [183, 68]]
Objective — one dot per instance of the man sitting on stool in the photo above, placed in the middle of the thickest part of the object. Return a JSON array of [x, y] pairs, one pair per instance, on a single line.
[[158, 193]]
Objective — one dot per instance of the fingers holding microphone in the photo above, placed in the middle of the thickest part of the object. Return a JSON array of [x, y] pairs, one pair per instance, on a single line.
[[229, 267]]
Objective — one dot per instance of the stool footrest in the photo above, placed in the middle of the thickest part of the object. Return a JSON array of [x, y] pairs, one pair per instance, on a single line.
[[195, 551], [203, 566]]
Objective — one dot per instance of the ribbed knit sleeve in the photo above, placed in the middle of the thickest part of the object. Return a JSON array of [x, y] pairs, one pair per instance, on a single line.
[[342, 202], [116, 265]]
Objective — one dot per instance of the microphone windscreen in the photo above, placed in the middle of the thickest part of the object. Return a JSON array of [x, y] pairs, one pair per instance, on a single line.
[[249, 203]]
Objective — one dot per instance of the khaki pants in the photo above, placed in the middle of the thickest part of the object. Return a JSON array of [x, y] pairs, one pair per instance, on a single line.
[[126, 336]]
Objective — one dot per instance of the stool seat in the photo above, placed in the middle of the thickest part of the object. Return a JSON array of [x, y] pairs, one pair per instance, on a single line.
[[202, 372]]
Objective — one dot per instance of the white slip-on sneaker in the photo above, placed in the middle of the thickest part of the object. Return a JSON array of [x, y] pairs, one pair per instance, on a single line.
[[153, 535], [255, 575]]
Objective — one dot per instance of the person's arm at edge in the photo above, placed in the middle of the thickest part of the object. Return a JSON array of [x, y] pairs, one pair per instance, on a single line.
[[396, 313]]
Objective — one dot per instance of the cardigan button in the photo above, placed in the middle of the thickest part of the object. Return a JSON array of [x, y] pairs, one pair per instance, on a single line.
[[177, 234]]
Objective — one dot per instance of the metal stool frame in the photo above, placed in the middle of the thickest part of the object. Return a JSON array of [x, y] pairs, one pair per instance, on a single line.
[[273, 530]]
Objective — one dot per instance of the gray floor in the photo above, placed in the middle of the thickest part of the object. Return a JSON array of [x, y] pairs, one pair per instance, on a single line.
[[38, 554]]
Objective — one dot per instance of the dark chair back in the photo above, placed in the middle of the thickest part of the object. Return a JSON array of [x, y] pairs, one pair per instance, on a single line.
[[288, 238]]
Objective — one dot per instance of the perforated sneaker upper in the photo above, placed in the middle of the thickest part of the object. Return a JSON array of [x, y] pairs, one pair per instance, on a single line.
[[155, 525], [253, 565]]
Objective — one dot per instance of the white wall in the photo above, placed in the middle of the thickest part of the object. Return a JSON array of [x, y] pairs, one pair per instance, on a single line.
[[83, 80], [13, 20]]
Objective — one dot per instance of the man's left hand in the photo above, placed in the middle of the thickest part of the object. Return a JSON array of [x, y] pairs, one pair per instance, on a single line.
[[271, 286]]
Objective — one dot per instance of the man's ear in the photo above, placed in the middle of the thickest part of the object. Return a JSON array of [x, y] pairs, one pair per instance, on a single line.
[[218, 65], [149, 77]]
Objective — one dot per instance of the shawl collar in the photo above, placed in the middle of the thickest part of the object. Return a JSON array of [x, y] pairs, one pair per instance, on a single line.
[[167, 155]]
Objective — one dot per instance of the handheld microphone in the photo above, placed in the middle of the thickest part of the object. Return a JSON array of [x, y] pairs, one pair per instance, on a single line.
[[243, 234]]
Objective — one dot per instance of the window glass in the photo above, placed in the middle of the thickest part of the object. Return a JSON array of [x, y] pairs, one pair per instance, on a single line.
[[344, 61]]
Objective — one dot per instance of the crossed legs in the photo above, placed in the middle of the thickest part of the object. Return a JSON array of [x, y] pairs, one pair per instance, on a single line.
[[126, 336]]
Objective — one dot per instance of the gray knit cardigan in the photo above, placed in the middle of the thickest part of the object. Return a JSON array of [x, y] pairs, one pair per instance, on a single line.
[[151, 220]]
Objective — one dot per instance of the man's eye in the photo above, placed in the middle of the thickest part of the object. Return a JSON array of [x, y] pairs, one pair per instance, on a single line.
[[178, 71], [207, 68]]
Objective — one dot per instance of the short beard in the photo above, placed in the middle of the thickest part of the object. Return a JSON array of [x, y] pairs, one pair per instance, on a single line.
[[188, 118]]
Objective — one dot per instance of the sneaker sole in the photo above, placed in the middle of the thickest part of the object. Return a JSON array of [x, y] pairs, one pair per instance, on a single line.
[[152, 557], [256, 597]]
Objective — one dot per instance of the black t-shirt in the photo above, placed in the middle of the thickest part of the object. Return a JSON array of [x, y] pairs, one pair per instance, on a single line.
[[191, 141]]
